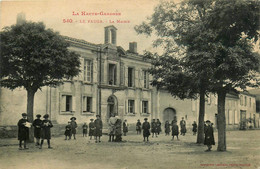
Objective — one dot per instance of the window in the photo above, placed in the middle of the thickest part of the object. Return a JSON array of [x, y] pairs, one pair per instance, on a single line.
[[87, 104], [144, 106], [236, 117], [131, 106], [250, 102], [66, 103], [146, 79], [241, 100], [130, 77], [88, 69], [112, 74]]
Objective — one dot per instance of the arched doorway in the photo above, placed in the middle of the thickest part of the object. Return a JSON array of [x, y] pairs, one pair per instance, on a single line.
[[112, 106], [169, 114]]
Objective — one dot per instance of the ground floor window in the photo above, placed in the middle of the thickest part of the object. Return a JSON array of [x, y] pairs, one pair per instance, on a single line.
[[66, 103], [131, 106], [145, 107], [87, 104]]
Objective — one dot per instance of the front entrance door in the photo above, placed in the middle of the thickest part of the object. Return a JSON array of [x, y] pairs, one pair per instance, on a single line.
[[111, 106], [169, 114]]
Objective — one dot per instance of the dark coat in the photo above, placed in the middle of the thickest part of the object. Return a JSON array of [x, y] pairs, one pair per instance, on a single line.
[[67, 130], [125, 127], [154, 127], [146, 129], [98, 127], [85, 129], [91, 129], [194, 128], [209, 136], [37, 128], [46, 129], [23, 132], [167, 127], [183, 126], [138, 126], [175, 130], [73, 127], [118, 127], [158, 126]]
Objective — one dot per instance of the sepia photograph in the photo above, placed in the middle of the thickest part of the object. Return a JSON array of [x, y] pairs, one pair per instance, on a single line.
[[129, 84]]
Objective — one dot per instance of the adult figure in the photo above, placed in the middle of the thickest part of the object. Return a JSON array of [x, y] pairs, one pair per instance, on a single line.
[[209, 136], [23, 131], [98, 128], [37, 129], [183, 126], [158, 126], [46, 130], [146, 129], [118, 131], [154, 128], [194, 128], [125, 127], [138, 127], [74, 126], [111, 127], [167, 128]]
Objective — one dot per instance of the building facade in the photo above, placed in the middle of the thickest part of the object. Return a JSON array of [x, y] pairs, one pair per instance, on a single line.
[[113, 80]]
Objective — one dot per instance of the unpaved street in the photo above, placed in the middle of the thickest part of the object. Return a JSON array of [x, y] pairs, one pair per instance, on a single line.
[[160, 153]]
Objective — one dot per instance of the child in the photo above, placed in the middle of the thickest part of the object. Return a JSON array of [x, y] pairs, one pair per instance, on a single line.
[[194, 128], [125, 127], [68, 131], [146, 129], [175, 130], [91, 128], [209, 136], [167, 128], [37, 129], [73, 126], [85, 129], [98, 128], [138, 127], [46, 131], [158, 127], [154, 128], [23, 131]]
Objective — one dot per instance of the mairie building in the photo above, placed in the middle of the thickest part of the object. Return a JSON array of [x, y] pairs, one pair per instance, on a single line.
[[115, 80]]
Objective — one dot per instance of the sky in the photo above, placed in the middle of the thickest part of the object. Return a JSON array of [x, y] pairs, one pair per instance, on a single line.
[[59, 13]]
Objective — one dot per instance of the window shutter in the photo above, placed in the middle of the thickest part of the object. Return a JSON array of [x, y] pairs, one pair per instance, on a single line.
[[63, 103], [82, 73], [126, 106], [126, 76], [73, 103]]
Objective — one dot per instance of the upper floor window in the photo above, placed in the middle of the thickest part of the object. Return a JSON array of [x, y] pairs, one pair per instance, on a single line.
[[88, 69], [112, 74], [245, 100], [146, 79], [130, 77]]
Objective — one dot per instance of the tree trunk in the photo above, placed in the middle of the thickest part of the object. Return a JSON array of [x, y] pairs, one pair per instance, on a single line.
[[200, 136], [221, 120], [30, 102]]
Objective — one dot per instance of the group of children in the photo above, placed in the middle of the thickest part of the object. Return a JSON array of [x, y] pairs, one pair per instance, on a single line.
[[41, 130]]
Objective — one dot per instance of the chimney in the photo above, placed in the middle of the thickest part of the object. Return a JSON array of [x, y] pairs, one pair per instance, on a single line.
[[133, 47], [20, 18], [110, 34]]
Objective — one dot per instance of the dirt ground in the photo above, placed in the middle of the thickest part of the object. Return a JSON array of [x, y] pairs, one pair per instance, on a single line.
[[160, 153]]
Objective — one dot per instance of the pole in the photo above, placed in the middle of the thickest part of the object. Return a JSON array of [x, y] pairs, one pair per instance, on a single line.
[[100, 69]]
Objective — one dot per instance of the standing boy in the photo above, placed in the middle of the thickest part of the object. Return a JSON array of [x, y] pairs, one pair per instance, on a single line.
[[125, 127], [73, 126], [23, 131], [85, 129], [67, 132], [91, 128], [46, 130], [154, 128], [138, 127], [146, 129], [175, 130], [37, 129], [183, 126]]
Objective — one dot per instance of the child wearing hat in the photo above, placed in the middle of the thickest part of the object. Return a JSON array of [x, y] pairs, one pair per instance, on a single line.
[[23, 131], [37, 129], [138, 127], [73, 126], [91, 128], [46, 130], [146, 129], [67, 132], [98, 128], [209, 136], [125, 127], [85, 129]]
